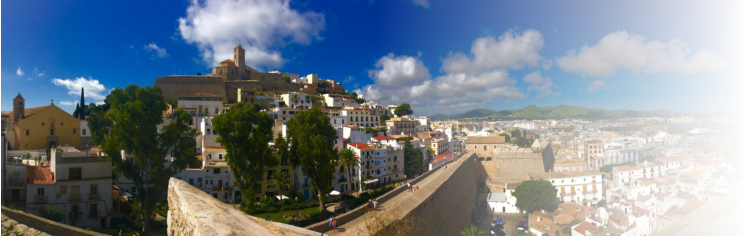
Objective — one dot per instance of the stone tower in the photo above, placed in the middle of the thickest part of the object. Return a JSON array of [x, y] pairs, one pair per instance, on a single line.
[[19, 107], [239, 60]]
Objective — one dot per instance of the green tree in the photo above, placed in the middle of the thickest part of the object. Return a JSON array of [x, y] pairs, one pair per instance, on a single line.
[[507, 139], [82, 114], [535, 194], [312, 146], [77, 111], [132, 125], [286, 79], [472, 231], [732, 154], [348, 158], [245, 133], [601, 203], [198, 73], [384, 117], [383, 130], [413, 158], [295, 100], [403, 109], [52, 213], [281, 180], [566, 230]]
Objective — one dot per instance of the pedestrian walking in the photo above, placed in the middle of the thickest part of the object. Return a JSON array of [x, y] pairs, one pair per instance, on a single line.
[[335, 225]]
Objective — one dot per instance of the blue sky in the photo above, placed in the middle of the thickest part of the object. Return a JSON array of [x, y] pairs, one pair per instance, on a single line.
[[441, 56]]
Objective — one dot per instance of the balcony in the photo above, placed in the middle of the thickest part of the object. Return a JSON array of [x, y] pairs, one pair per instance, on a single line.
[[198, 185], [75, 197], [222, 188], [94, 196], [16, 181], [93, 214], [343, 180], [76, 215], [40, 198]]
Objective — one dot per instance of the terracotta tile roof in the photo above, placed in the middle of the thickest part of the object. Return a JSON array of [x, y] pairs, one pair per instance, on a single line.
[[360, 146], [352, 127], [440, 157], [485, 140], [39, 175], [383, 138], [582, 228]]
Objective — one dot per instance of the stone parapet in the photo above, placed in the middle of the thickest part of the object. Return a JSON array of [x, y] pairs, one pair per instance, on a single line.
[[44, 225], [194, 212]]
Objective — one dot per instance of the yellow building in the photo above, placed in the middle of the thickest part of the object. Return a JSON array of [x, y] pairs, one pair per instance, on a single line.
[[40, 127], [266, 187]]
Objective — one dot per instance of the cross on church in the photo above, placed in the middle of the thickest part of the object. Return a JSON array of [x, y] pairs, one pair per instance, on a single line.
[[53, 101]]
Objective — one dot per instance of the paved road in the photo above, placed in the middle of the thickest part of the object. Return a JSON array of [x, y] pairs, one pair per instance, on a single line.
[[386, 205]]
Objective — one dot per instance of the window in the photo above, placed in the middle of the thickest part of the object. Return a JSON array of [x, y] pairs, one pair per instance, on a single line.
[[27, 132], [208, 131], [51, 131], [40, 191], [73, 130], [209, 157], [63, 189], [216, 171], [75, 173], [220, 156], [94, 190], [216, 110], [83, 132]]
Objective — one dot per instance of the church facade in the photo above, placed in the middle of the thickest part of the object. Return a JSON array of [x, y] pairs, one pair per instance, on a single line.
[[41, 127]]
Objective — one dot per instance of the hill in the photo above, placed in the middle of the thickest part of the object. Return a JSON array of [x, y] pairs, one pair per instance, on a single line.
[[557, 112]]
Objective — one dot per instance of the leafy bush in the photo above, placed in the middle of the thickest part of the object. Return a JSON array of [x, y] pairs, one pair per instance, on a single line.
[[52, 213], [268, 202], [347, 196], [284, 208], [364, 194], [313, 204], [272, 210]]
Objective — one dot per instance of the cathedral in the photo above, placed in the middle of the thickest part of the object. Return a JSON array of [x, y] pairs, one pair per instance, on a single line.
[[230, 76]]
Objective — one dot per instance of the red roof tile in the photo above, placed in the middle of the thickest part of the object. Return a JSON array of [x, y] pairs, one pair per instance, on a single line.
[[360, 146], [383, 138], [582, 228], [39, 175]]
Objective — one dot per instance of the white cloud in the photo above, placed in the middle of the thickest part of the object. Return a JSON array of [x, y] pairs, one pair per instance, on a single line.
[[348, 79], [19, 72], [156, 50], [423, 3], [93, 89], [542, 86], [392, 72], [69, 103], [36, 71], [647, 88], [510, 50], [260, 26], [598, 85], [636, 54]]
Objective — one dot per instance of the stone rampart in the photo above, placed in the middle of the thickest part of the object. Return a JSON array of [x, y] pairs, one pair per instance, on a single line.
[[361, 210], [194, 212], [45, 225]]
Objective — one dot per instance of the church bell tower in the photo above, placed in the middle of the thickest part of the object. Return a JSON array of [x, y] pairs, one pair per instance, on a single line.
[[239, 60]]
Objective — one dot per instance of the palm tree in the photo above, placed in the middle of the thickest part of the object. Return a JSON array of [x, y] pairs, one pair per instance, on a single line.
[[281, 180], [295, 99], [472, 231], [348, 158]]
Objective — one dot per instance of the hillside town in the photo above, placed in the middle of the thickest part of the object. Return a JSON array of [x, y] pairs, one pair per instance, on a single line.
[[630, 176]]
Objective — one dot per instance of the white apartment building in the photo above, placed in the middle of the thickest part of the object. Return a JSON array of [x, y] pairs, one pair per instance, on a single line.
[[361, 117], [302, 101], [337, 100], [379, 164], [583, 187], [354, 135], [199, 105], [77, 181]]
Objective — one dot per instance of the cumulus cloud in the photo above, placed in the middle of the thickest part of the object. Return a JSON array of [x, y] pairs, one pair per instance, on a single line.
[[348, 79], [260, 26], [637, 54], [597, 85], [542, 86], [423, 3], [156, 50], [510, 50], [69, 103], [19, 72], [93, 89], [395, 71]]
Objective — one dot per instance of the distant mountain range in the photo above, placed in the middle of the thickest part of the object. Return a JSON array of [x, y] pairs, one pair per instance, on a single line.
[[557, 112]]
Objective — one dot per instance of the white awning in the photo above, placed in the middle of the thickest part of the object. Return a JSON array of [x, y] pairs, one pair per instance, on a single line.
[[334, 193], [371, 181], [281, 197]]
